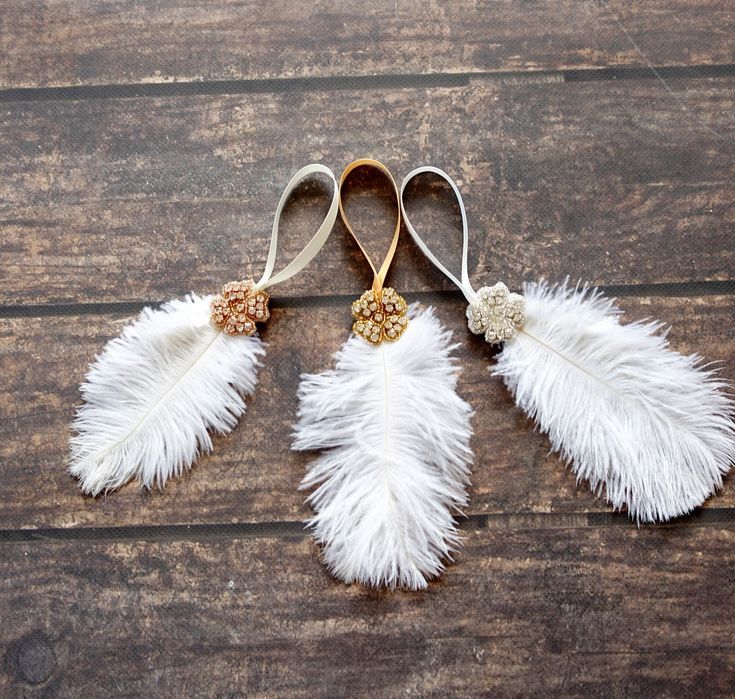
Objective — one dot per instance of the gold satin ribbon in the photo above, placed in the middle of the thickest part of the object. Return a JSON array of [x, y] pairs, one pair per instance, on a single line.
[[378, 275]]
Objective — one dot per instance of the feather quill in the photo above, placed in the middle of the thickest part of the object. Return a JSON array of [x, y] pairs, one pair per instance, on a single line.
[[652, 426], [396, 461], [154, 393]]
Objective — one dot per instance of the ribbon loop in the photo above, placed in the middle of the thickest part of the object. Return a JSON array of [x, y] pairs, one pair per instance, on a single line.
[[380, 274], [314, 245], [464, 283]]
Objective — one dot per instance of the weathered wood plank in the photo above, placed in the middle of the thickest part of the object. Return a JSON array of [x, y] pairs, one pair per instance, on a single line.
[[47, 44], [144, 199], [252, 476], [611, 611]]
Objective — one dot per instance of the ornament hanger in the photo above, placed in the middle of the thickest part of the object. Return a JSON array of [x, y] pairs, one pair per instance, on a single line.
[[317, 241], [378, 275], [464, 283], [242, 304], [380, 313]]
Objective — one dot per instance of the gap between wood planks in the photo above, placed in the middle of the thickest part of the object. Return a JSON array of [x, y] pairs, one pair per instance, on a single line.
[[356, 82], [244, 530], [677, 289]]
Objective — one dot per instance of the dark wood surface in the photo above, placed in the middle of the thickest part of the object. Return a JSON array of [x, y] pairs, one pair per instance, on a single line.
[[606, 180], [92, 43], [143, 148], [528, 610]]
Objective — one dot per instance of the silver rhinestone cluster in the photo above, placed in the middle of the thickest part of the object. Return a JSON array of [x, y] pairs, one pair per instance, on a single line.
[[498, 313]]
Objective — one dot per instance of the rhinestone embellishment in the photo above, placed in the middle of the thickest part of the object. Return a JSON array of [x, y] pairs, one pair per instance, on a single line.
[[379, 316], [238, 308], [497, 313]]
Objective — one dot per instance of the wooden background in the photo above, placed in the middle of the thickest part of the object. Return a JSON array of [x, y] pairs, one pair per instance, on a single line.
[[143, 148]]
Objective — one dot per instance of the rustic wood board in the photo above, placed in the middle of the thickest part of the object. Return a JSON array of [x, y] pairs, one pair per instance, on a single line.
[[144, 147], [139, 200], [252, 476], [524, 611], [47, 44]]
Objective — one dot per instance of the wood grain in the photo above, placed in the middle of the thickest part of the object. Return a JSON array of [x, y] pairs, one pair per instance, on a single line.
[[578, 612], [145, 160], [252, 476], [144, 199], [47, 44]]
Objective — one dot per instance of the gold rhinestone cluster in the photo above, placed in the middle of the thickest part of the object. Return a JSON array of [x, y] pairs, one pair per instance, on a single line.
[[239, 307], [379, 316], [497, 313]]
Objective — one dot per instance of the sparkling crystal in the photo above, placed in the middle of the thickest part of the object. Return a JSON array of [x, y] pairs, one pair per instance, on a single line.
[[236, 309], [497, 313], [380, 316]]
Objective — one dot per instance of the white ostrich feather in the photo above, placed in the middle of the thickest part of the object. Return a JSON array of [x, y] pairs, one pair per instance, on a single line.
[[652, 426], [396, 461], [155, 391]]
